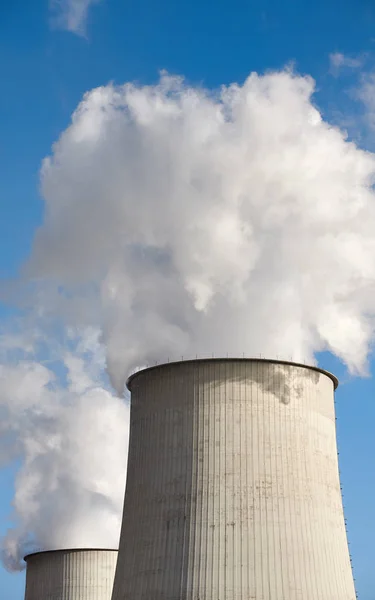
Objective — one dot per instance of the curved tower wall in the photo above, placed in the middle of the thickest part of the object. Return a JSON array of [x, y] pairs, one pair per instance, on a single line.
[[70, 575], [233, 488]]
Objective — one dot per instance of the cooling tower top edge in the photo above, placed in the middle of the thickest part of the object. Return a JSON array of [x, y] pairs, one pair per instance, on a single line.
[[333, 378], [67, 550]]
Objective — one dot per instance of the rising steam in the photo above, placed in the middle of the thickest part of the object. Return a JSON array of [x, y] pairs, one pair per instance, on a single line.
[[180, 221], [70, 434]]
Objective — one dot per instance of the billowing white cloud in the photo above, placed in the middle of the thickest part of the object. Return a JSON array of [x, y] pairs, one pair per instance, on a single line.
[[70, 435], [71, 14], [235, 221], [180, 221]]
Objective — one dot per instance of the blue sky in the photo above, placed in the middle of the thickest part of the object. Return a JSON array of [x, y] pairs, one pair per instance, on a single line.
[[45, 71]]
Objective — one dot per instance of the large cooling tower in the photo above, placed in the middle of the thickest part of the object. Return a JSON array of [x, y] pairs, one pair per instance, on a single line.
[[233, 488], [70, 575]]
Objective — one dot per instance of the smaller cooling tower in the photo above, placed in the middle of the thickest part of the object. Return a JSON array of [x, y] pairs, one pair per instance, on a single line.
[[79, 574]]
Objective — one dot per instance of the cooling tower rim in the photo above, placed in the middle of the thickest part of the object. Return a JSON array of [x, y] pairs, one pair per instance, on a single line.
[[333, 378], [68, 551]]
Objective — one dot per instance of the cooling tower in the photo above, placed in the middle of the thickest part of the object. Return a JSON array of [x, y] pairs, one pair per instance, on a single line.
[[70, 575], [233, 488]]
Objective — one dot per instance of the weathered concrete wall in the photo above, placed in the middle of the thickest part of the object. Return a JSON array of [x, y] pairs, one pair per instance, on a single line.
[[233, 488], [70, 575]]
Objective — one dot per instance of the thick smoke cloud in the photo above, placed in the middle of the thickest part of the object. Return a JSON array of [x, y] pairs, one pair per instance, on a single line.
[[234, 222], [70, 435], [182, 221]]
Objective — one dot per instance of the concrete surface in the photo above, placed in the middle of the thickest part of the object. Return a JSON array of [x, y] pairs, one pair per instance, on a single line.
[[233, 488], [70, 575]]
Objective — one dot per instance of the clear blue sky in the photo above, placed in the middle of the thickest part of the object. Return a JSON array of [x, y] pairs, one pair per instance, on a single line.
[[45, 72]]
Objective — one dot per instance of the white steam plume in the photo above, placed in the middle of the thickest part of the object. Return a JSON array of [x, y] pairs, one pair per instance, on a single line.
[[70, 435], [231, 222], [181, 221]]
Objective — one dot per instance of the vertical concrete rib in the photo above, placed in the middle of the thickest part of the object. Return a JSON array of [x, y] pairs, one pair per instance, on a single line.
[[233, 487], [70, 575]]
